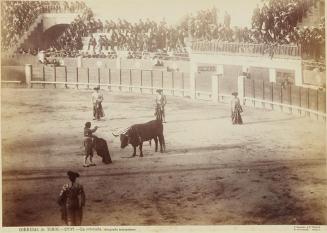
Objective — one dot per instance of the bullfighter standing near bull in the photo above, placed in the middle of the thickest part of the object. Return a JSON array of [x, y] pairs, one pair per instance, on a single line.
[[88, 143], [161, 102], [97, 99]]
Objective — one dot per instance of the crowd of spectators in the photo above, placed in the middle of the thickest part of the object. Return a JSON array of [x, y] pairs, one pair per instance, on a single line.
[[144, 35], [277, 22], [277, 18], [274, 23], [311, 39], [17, 16]]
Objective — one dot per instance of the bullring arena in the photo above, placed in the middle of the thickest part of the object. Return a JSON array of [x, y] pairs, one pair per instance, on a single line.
[[267, 171], [270, 170]]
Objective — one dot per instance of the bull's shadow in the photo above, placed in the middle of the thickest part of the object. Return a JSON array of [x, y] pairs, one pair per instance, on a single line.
[[150, 152]]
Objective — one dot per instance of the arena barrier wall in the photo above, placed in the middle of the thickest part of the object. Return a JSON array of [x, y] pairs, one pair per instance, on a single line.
[[287, 98], [18, 60], [12, 76], [255, 93], [314, 74], [126, 80]]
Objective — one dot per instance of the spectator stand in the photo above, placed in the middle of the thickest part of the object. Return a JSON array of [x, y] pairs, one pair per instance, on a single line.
[[19, 18]]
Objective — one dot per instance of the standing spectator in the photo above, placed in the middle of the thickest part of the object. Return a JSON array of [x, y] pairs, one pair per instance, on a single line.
[[99, 26], [72, 200], [106, 42], [227, 20], [101, 42], [92, 42]]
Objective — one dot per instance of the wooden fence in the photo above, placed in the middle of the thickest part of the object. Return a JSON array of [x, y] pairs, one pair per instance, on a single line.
[[257, 93], [291, 98], [130, 80]]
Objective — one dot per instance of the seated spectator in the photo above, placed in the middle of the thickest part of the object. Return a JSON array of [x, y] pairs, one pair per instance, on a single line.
[[158, 63]]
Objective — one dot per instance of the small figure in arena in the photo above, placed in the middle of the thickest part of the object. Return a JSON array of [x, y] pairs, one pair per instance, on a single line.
[[97, 99], [236, 109], [72, 200], [161, 102], [88, 143]]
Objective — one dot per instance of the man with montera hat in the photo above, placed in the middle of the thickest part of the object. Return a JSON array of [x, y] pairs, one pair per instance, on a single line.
[[97, 99], [236, 110], [161, 102], [88, 143], [72, 200]]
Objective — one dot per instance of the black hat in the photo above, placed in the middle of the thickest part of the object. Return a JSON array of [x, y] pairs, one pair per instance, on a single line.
[[72, 174], [235, 93], [159, 90], [96, 88]]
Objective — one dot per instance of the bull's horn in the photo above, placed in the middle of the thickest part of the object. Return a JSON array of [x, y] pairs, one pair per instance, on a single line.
[[125, 130], [116, 135], [120, 132]]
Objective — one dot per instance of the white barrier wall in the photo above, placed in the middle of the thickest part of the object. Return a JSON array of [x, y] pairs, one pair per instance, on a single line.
[[173, 83], [273, 64], [28, 74]]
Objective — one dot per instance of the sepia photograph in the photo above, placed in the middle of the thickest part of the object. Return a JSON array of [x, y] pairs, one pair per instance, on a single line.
[[163, 116]]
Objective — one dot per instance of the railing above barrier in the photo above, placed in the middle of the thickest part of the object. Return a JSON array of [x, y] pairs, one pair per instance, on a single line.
[[314, 65], [245, 48], [174, 56]]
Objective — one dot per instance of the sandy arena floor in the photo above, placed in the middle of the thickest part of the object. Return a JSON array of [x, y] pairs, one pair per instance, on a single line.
[[271, 170]]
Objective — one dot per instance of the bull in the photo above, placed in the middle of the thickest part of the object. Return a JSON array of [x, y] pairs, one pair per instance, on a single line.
[[138, 133]]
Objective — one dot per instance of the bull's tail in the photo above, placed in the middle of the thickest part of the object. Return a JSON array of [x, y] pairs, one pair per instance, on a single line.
[[150, 142]]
